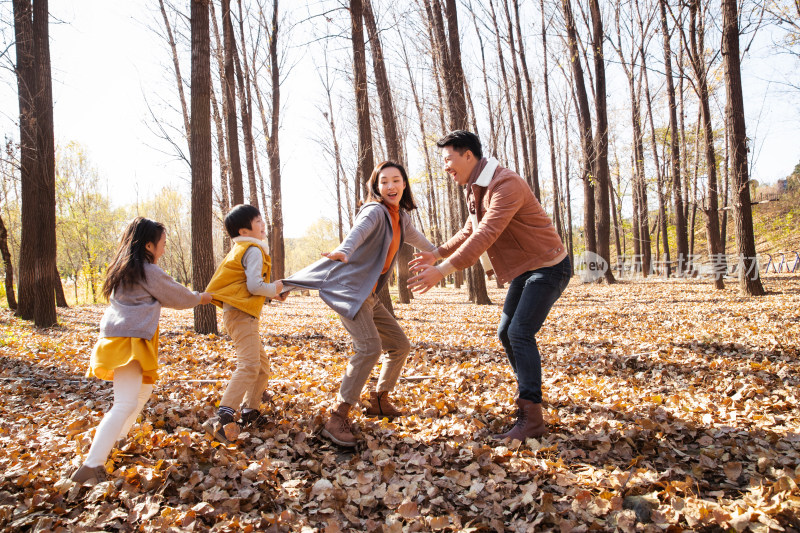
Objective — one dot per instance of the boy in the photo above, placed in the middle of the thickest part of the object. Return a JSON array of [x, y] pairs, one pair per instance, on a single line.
[[240, 287]]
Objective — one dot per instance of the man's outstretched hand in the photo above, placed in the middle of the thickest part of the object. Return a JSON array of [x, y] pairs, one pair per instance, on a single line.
[[420, 259], [427, 277]]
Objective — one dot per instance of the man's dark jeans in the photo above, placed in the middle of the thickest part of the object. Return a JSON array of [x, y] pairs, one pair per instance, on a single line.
[[528, 301]]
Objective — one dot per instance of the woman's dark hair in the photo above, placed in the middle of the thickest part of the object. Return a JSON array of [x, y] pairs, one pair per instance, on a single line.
[[373, 195], [461, 141], [240, 217], [127, 266]]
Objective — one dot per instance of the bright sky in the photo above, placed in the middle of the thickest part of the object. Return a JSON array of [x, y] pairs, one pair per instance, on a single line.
[[108, 65]]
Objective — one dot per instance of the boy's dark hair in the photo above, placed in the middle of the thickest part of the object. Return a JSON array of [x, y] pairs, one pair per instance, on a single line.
[[373, 195], [240, 217], [461, 141], [127, 266]]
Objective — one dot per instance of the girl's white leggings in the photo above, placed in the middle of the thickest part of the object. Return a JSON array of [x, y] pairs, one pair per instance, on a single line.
[[130, 395]]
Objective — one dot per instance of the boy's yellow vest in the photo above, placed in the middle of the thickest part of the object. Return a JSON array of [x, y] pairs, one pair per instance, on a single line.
[[229, 283]]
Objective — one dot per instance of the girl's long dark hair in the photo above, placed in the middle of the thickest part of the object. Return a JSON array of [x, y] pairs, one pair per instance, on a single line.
[[127, 267], [373, 195]]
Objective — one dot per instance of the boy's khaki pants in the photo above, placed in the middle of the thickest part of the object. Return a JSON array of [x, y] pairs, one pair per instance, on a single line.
[[373, 329], [249, 380]]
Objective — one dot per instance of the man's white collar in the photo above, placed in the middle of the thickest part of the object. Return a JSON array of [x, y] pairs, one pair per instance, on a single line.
[[262, 244], [487, 172]]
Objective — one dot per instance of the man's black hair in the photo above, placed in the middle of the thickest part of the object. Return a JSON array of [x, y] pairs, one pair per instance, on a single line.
[[461, 141], [241, 216]]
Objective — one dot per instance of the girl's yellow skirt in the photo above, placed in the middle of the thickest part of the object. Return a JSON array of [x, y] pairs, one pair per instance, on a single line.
[[115, 352]]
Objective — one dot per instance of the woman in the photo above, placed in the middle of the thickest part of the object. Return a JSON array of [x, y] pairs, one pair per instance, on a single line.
[[348, 280]]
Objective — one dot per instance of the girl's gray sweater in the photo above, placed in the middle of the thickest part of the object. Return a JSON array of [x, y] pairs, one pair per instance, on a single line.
[[345, 286], [133, 310]]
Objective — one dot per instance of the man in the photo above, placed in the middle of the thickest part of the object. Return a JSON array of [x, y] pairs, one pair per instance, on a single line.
[[507, 221]]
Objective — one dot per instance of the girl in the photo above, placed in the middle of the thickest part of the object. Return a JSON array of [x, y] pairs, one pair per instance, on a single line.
[[348, 281], [127, 351]]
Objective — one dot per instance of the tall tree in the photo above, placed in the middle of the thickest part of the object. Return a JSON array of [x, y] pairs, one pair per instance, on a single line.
[[557, 219], [506, 86], [601, 142], [273, 153], [8, 266], [749, 280], [366, 160], [520, 104], [394, 150], [37, 264], [699, 65], [585, 128], [246, 108], [532, 144], [205, 316], [458, 120], [681, 238], [229, 102]]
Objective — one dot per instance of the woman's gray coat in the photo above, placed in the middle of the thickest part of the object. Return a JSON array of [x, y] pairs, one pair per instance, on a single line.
[[345, 286]]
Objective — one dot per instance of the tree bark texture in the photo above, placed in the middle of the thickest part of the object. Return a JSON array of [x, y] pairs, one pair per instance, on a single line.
[[585, 128], [393, 145], [749, 280], [37, 263], [681, 237], [278, 247], [229, 87], [601, 140], [711, 206], [557, 219], [9, 267], [205, 316]]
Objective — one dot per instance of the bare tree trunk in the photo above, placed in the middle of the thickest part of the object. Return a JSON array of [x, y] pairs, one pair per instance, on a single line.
[[229, 86], [749, 280], [458, 117], [205, 317], [274, 155], [393, 146], [9, 267], [245, 105], [37, 263], [502, 63], [550, 133], [492, 133], [566, 187], [365, 156], [532, 148], [681, 239], [696, 35], [518, 101], [723, 230], [176, 65], [601, 141], [224, 166], [61, 299], [585, 127]]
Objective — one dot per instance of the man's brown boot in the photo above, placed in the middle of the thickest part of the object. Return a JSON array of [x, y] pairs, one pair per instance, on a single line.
[[337, 428], [530, 422], [379, 405]]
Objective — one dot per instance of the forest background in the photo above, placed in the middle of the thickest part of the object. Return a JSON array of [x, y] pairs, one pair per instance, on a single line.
[[135, 160], [671, 401]]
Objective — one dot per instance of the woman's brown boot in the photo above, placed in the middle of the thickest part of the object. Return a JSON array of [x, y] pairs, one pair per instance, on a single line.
[[337, 428], [379, 405]]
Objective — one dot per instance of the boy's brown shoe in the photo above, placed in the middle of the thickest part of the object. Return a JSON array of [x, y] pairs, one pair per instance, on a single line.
[[337, 428], [379, 405]]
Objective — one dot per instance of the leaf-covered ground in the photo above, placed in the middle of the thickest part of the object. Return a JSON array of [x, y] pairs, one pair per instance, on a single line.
[[671, 406]]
